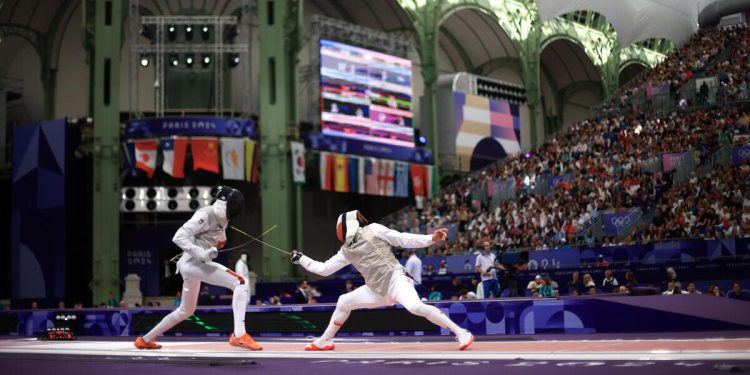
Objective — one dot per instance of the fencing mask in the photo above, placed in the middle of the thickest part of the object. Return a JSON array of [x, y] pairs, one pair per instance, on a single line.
[[347, 225], [234, 200]]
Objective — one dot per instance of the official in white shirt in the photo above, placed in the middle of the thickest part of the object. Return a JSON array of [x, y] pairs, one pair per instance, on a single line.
[[414, 266]]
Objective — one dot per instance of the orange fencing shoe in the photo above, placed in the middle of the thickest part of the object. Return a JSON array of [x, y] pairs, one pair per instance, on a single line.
[[244, 341], [319, 346], [140, 343]]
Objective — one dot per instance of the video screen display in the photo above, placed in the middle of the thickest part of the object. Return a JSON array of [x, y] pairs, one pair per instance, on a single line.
[[365, 94]]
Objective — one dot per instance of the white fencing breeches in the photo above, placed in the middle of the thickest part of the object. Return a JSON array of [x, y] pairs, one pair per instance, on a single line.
[[194, 271], [400, 290]]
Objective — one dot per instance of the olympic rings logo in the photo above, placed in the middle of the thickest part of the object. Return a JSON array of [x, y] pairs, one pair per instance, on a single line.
[[743, 153]]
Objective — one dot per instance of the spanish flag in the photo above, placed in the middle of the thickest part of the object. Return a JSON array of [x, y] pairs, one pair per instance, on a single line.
[[341, 174]]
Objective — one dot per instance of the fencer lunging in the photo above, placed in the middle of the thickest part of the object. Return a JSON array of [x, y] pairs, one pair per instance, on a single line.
[[199, 239], [368, 248]]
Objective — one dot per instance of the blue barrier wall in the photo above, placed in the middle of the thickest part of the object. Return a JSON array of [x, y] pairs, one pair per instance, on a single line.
[[610, 314]]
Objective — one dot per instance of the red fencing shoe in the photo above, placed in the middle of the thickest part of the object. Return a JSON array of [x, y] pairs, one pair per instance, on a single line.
[[319, 346]]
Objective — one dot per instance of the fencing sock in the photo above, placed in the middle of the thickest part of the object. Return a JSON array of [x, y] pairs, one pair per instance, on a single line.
[[239, 308], [337, 320]]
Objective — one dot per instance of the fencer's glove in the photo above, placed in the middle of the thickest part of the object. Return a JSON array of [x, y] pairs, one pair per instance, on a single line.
[[295, 256], [209, 255]]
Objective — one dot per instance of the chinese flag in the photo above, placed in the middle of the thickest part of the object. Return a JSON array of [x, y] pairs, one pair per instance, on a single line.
[[205, 154]]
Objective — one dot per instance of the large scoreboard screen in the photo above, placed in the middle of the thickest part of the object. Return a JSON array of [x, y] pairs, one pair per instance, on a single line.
[[365, 95]]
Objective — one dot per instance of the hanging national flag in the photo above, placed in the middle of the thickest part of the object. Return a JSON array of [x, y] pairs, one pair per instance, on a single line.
[[353, 174], [341, 182], [205, 153], [417, 179], [174, 149], [128, 148], [298, 161], [326, 171], [145, 156], [256, 165], [232, 158], [430, 181], [386, 178], [371, 176], [250, 146], [361, 186], [401, 188]]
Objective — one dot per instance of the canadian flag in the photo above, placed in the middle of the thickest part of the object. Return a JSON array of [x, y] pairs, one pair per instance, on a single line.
[[145, 156]]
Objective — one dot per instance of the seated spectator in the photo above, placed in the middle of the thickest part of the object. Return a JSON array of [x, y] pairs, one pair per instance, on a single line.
[[588, 282], [592, 290], [429, 271], [575, 286], [443, 270], [738, 293], [458, 286], [672, 289], [302, 294], [545, 290], [609, 282], [535, 284], [601, 262], [623, 290], [672, 277], [435, 294], [691, 289], [630, 279]]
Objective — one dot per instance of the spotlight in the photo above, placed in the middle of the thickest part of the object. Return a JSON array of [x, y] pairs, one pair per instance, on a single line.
[[206, 60], [130, 205], [189, 60], [151, 205], [130, 193], [171, 32], [234, 60], [144, 61], [172, 192], [172, 205], [151, 193], [204, 33], [214, 191], [189, 32], [173, 60]]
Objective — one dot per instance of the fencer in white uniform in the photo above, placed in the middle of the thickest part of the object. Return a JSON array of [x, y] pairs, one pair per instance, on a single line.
[[199, 239], [369, 249]]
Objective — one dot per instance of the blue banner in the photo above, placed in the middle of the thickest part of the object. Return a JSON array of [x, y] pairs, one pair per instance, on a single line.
[[616, 221], [340, 145], [166, 126], [143, 252], [740, 154]]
